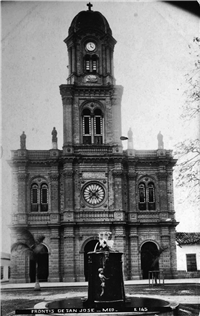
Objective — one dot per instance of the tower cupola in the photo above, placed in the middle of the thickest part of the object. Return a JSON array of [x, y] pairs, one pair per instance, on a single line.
[[90, 49], [89, 19]]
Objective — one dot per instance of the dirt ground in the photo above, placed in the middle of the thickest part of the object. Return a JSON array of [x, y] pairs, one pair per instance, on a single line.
[[187, 295]]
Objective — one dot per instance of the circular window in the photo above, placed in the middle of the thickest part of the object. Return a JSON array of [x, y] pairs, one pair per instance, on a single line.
[[93, 193]]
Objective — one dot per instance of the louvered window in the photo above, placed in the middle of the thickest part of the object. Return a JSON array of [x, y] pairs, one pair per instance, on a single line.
[[92, 125], [91, 63], [87, 65]]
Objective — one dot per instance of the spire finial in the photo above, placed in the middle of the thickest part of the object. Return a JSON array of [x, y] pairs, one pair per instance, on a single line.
[[89, 6]]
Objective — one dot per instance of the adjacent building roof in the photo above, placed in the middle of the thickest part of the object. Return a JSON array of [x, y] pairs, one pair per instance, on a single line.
[[187, 238]]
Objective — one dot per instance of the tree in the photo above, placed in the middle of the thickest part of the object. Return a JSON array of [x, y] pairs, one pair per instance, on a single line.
[[188, 151], [31, 245], [155, 262]]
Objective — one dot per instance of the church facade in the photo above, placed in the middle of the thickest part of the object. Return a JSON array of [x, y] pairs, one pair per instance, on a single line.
[[92, 185]]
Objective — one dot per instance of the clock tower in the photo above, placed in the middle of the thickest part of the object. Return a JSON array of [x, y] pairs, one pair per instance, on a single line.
[[91, 100]]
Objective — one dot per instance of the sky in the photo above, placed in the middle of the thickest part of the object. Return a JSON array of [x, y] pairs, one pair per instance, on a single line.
[[151, 58]]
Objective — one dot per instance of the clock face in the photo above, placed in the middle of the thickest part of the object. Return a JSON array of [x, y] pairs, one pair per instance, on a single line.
[[94, 194], [90, 46]]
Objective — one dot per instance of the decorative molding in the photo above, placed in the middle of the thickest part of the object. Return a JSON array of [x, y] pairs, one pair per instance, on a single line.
[[68, 173], [22, 176], [54, 177]]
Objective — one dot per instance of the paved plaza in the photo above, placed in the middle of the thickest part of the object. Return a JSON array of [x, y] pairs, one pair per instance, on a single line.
[[185, 292]]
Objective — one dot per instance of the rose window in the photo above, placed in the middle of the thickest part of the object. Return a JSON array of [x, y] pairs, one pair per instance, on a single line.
[[94, 194]]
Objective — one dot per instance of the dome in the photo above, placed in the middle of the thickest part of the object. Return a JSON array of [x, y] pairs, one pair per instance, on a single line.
[[89, 19]]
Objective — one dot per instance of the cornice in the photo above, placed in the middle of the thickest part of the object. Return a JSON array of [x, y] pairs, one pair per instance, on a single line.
[[70, 91]]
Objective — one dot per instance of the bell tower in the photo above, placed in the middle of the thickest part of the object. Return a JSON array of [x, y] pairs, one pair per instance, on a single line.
[[91, 100]]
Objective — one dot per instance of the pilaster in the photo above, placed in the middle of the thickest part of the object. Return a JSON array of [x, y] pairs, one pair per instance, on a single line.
[[173, 252], [54, 184], [14, 191], [116, 115], [132, 196], [162, 179], [68, 214], [67, 100], [22, 192], [54, 257], [170, 193], [69, 255], [165, 260], [134, 255], [120, 242], [19, 263], [118, 201]]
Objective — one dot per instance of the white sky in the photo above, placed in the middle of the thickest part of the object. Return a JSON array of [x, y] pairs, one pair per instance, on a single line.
[[151, 59]]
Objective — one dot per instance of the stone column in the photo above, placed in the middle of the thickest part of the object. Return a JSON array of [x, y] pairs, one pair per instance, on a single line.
[[118, 199], [22, 197], [112, 64], [103, 60], [165, 259], [116, 115], [135, 264], [19, 263], [162, 178], [54, 186], [67, 99], [170, 194], [54, 262], [70, 60], [108, 60], [173, 252], [132, 196], [79, 61], [120, 244], [73, 60], [14, 196], [68, 213], [69, 262]]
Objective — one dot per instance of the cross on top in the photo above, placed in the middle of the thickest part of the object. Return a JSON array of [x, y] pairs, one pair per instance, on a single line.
[[89, 6]]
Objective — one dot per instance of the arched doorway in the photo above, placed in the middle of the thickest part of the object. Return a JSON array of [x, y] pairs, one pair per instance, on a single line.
[[149, 258], [88, 247], [43, 267]]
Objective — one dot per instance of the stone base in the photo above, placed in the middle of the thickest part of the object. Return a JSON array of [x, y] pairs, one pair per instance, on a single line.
[[136, 306]]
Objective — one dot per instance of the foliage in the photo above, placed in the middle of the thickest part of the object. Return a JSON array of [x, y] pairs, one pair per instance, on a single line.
[[158, 254], [188, 151], [33, 246]]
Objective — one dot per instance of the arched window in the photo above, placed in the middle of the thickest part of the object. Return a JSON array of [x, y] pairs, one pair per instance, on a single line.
[[87, 63], [87, 131], [44, 198], [92, 124], [151, 196], [94, 63], [34, 197], [39, 197], [142, 196], [146, 196], [98, 127]]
